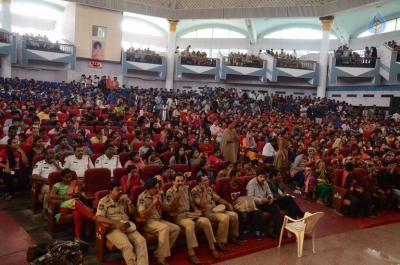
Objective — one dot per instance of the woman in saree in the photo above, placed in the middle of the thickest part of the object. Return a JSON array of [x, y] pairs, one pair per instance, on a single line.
[[66, 192], [251, 144], [281, 161], [230, 143]]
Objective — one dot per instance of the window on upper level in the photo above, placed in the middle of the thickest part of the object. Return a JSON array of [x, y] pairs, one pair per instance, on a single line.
[[391, 25], [297, 33], [213, 33], [140, 28]]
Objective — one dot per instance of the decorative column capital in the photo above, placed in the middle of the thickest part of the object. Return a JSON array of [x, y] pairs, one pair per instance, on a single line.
[[172, 25], [326, 22]]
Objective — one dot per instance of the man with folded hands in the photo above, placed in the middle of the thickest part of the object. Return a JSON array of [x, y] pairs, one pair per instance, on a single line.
[[180, 202], [114, 209], [150, 206], [228, 225]]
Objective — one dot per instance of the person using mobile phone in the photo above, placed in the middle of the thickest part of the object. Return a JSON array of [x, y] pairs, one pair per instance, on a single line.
[[258, 189], [115, 209]]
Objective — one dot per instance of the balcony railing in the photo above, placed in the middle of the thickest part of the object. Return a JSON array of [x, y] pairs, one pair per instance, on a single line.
[[243, 62], [143, 58], [200, 61], [5, 37], [295, 64], [49, 46], [367, 62]]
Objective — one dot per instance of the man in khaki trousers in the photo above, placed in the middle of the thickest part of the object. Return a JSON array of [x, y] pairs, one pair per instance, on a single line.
[[150, 206], [113, 209], [180, 201], [228, 225]]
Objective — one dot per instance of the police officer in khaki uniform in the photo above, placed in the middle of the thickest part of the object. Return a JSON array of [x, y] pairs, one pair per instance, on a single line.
[[180, 201], [113, 209], [204, 197], [150, 206]]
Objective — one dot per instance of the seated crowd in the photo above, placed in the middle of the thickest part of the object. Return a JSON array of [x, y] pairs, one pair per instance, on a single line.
[[246, 60], [42, 43], [143, 56], [203, 158], [196, 58]]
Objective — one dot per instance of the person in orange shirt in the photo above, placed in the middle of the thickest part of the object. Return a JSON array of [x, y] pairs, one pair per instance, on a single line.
[[35, 132]]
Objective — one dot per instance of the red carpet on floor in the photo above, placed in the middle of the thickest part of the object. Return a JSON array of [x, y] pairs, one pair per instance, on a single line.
[[179, 255], [14, 241], [389, 216]]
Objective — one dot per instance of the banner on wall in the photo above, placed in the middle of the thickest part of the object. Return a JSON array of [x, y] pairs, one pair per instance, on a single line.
[[98, 50]]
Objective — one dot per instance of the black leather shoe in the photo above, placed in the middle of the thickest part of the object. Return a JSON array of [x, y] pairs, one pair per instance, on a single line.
[[221, 247]]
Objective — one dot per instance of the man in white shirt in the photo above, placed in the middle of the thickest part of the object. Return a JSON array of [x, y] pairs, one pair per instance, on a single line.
[[346, 126], [78, 162], [215, 129], [41, 172], [108, 160], [268, 149]]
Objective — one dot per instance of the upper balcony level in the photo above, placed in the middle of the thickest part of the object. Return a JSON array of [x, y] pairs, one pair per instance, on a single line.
[[264, 66], [47, 51], [354, 66], [198, 65], [8, 46], [390, 62], [144, 62], [291, 68]]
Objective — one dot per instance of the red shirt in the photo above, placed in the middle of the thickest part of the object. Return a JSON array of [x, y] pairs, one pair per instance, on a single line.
[[134, 183], [230, 194], [204, 148], [18, 160], [212, 159]]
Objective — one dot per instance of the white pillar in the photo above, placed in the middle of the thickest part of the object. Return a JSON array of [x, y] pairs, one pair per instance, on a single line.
[[169, 81], [323, 56], [5, 68], [6, 15]]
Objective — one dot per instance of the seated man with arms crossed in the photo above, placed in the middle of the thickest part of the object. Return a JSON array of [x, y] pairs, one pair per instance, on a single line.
[[180, 201], [113, 209], [150, 206], [228, 225], [41, 172]]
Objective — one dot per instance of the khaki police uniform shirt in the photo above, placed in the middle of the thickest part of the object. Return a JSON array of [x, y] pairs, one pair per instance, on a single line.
[[105, 162], [144, 201], [78, 165], [211, 197], [184, 201], [43, 169], [113, 210]]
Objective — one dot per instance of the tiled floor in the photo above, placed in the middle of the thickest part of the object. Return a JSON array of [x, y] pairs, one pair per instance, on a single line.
[[375, 246]]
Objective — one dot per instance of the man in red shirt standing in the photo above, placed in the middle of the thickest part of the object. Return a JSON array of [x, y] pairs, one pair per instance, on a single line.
[[114, 84]]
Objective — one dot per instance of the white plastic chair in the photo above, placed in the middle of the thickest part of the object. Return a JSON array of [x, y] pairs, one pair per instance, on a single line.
[[300, 227]]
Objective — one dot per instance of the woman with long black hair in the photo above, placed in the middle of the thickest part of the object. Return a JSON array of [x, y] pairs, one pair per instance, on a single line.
[[179, 157], [13, 160]]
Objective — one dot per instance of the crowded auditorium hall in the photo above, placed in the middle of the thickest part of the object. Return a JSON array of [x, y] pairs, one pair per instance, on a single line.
[[186, 132]]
